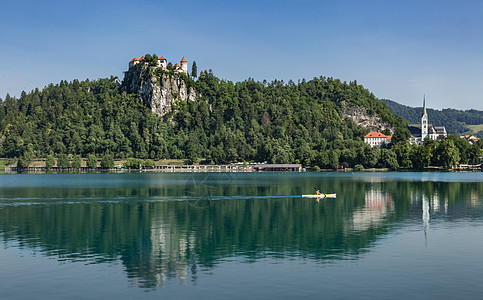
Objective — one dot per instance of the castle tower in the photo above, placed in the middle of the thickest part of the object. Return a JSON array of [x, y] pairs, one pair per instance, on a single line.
[[162, 62], [184, 65], [424, 121]]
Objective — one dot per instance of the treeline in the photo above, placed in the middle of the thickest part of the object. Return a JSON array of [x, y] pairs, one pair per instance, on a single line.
[[454, 120], [245, 121]]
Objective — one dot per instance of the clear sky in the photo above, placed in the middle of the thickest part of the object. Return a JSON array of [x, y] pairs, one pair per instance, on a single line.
[[399, 50]]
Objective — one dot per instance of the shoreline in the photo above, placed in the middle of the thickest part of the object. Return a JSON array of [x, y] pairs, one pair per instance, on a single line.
[[179, 166], [225, 170]]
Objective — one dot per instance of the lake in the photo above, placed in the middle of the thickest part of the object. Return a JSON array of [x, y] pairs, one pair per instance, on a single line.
[[241, 236]]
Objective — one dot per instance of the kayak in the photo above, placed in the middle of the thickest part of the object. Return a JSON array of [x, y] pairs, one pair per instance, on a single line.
[[320, 196]]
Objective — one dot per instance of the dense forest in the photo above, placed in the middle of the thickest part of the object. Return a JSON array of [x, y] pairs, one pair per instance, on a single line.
[[454, 120], [245, 121]]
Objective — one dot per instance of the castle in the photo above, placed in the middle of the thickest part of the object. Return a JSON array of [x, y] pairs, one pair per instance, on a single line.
[[162, 63], [425, 130]]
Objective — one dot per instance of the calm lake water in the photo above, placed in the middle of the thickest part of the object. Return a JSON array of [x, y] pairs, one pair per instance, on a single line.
[[241, 236]]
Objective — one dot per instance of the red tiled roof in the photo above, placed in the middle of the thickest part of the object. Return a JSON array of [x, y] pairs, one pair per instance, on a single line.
[[374, 134], [176, 66], [135, 59], [161, 57], [183, 59]]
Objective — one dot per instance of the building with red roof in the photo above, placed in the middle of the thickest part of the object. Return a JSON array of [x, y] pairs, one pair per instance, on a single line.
[[184, 65], [162, 62], [374, 138]]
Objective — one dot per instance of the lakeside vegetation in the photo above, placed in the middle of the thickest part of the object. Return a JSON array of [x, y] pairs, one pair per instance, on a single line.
[[245, 121]]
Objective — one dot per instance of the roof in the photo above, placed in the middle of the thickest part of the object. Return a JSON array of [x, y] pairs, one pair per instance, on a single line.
[[415, 129], [135, 59], [161, 57], [183, 59], [374, 134], [440, 129], [176, 66]]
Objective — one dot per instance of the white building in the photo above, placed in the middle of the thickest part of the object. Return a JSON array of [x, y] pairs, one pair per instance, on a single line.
[[162, 62], [184, 65], [425, 130], [377, 139]]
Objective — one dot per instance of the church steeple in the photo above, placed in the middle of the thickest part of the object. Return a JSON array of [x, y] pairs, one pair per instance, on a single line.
[[424, 121], [424, 107]]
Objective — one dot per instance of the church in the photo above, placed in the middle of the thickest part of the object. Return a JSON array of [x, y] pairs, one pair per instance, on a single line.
[[425, 130]]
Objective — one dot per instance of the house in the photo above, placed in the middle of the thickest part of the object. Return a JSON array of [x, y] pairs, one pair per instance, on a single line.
[[374, 138], [470, 138]]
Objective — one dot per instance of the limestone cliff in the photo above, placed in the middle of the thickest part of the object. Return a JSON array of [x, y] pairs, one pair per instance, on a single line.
[[159, 89], [360, 116]]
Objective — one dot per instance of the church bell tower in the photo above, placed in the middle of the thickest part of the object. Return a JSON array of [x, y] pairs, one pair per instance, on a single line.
[[424, 122]]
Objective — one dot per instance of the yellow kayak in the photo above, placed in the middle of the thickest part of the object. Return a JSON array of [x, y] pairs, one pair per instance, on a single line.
[[321, 196]]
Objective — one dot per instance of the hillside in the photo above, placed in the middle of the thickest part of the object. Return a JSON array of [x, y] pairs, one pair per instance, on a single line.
[[162, 113], [456, 121], [244, 121]]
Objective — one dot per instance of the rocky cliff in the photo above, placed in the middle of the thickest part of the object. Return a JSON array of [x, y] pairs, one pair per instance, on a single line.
[[360, 116], [159, 89]]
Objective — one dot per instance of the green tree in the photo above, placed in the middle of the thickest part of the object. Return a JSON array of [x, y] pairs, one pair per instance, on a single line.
[[403, 153], [389, 159], [371, 156], [194, 70], [474, 154], [133, 163], [49, 162], [25, 159], [91, 161], [333, 156], [447, 154], [401, 134], [107, 161], [77, 162], [421, 157], [386, 131], [149, 163], [63, 161]]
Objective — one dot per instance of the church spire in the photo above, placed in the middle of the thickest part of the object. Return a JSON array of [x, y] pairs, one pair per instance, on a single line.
[[424, 106], [424, 121]]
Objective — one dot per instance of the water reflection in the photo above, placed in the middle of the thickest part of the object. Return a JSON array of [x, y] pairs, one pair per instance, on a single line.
[[176, 228], [378, 204]]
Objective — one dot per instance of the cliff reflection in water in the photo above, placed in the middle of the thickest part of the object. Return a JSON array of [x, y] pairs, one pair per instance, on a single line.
[[178, 229]]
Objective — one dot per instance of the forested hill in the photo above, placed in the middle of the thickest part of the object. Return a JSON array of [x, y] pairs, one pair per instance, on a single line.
[[455, 121], [245, 121]]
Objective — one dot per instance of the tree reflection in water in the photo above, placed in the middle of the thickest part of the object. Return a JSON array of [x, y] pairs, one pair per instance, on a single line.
[[189, 224]]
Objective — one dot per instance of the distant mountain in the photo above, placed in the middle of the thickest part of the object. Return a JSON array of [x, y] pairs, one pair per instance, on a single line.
[[455, 121]]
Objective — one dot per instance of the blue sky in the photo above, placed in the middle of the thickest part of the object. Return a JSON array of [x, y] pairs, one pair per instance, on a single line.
[[399, 50]]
